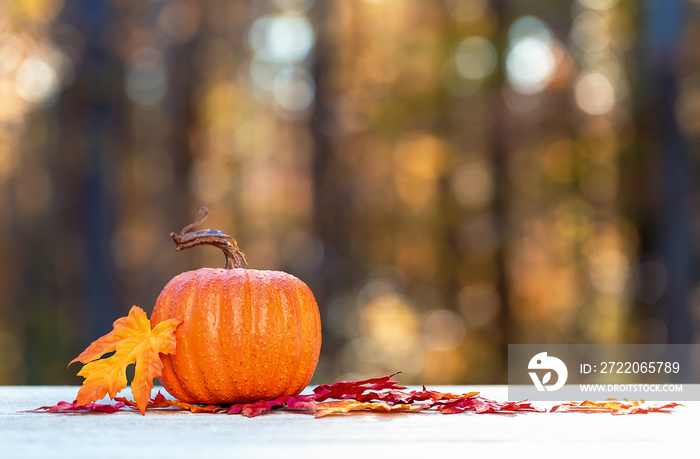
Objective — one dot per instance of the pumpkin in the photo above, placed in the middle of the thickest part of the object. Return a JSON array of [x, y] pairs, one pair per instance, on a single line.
[[246, 334]]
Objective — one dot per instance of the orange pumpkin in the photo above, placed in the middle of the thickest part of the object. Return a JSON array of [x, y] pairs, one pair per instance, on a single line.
[[246, 334]]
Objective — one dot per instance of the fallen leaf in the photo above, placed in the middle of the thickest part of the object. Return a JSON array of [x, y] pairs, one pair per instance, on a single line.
[[251, 410], [363, 395], [345, 406], [159, 401], [390, 396], [376, 394], [66, 407], [399, 396], [352, 389], [133, 341], [303, 402], [615, 407], [482, 405], [435, 395]]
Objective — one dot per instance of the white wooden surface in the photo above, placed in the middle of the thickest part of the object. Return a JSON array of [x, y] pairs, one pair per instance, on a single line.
[[127, 434]]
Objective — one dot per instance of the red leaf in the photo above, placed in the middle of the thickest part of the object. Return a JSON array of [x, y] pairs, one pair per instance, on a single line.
[[390, 396], [482, 405], [254, 409], [303, 402], [66, 407], [361, 395], [159, 401], [398, 396], [351, 389]]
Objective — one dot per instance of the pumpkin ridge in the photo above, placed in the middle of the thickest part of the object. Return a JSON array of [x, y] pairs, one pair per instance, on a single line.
[[281, 319], [288, 313], [294, 376], [311, 331], [221, 314], [230, 320], [205, 365], [261, 308], [276, 343], [315, 334], [190, 358], [248, 310]]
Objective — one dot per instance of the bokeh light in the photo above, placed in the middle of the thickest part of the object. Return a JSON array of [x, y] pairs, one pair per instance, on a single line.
[[600, 5], [590, 32], [594, 94], [467, 11], [529, 60], [283, 39], [146, 83], [293, 90], [475, 58]]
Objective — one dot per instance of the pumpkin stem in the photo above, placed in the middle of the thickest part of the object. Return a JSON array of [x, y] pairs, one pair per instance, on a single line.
[[235, 258]]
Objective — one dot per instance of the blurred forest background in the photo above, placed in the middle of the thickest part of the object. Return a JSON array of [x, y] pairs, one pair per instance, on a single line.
[[448, 176]]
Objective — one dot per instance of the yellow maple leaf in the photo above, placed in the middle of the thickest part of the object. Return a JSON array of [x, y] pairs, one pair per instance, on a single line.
[[132, 341]]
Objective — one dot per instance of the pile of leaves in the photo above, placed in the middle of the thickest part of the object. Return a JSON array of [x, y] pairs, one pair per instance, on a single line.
[[377, 394], [133, 342]]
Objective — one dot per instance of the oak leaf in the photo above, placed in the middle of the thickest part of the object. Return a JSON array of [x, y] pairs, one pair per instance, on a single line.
[[132, 341]]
